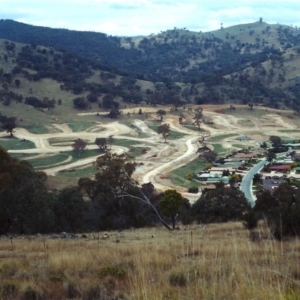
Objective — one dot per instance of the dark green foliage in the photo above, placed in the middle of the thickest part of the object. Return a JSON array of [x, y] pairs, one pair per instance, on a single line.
[[193, 189], [37, 103], [281, 209], [220, 205], [101, 143], [80, 103], [8, 123], [92, 97], [170, 205], [69, 208], [114, 271], [79, 145], [178, 279], [164, 130], [250, 219], [22, 195]]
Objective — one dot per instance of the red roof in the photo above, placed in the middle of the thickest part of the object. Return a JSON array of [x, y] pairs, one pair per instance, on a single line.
[[280, 167]]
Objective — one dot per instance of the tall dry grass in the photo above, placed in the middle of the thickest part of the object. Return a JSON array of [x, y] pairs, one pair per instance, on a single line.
[[215, 262]]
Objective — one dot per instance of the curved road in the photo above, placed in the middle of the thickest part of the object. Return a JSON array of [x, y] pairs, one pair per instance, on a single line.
[[246, 185]]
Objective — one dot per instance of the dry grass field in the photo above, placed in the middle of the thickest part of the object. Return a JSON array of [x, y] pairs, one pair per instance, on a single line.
[[217, 261]]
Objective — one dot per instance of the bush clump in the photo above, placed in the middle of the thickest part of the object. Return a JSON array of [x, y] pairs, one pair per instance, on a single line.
[[177, 279], [114, 271], [193, 189]]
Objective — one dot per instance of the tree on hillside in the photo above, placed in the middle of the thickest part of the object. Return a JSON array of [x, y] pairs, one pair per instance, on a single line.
[[114, 113], [275, 140], [161, 113], [176, 103], [164, 130], [92, 97], [203, 148], [209, 156], [108, 101], [170, 205], [17, 82], [250, 106], [79, 145], [271, 155], [8, 124], [101, 143], [197, 121], [80, 103]]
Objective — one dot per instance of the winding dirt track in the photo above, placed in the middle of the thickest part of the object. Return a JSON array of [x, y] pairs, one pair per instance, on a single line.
[[162, 157]]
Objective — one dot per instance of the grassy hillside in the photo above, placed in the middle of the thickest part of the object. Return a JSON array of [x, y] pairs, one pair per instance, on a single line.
[[213, 262], [251, 63]]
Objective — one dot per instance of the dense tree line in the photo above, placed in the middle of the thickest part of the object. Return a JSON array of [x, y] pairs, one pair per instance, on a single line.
[[113, 200]]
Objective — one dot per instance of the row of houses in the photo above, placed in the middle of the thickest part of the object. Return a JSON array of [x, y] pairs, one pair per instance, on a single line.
[[283, 169], [220, 171]]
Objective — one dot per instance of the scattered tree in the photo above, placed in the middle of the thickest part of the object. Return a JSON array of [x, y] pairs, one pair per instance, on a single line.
[[164, 130], [161, 113], [8, 124], [79, 145], [198, 121], [275, 140], [101, 143], [170, 205], [17, 82]]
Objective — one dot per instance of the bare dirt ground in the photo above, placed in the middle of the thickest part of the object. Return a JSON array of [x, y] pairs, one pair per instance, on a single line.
[[161, 158]]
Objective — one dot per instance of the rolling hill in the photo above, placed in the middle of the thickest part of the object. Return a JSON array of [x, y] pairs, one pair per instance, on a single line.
[[253, 63]]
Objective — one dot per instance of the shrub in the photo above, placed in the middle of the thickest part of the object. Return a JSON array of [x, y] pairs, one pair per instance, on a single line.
[[8, 290], [30, 293], [114, 271], [177, 279], [189, 176], [193, 189], [250, 219]]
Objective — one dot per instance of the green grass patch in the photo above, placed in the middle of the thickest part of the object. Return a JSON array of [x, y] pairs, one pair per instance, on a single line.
[[239, 146], [36, 129], [48, 161], [80, 126], [125, 142], [221, 137], [83, 154], [178, 176], [22, 156], [183, 182], [246, 112], [12, 143], [192, 127], [78, 173], [173, 135], [219, 148], [288, 130]]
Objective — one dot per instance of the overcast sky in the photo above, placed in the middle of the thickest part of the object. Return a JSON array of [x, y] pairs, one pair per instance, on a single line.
[[143, 17]]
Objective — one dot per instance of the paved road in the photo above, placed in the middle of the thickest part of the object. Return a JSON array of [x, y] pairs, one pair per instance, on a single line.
[[246, 185]]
